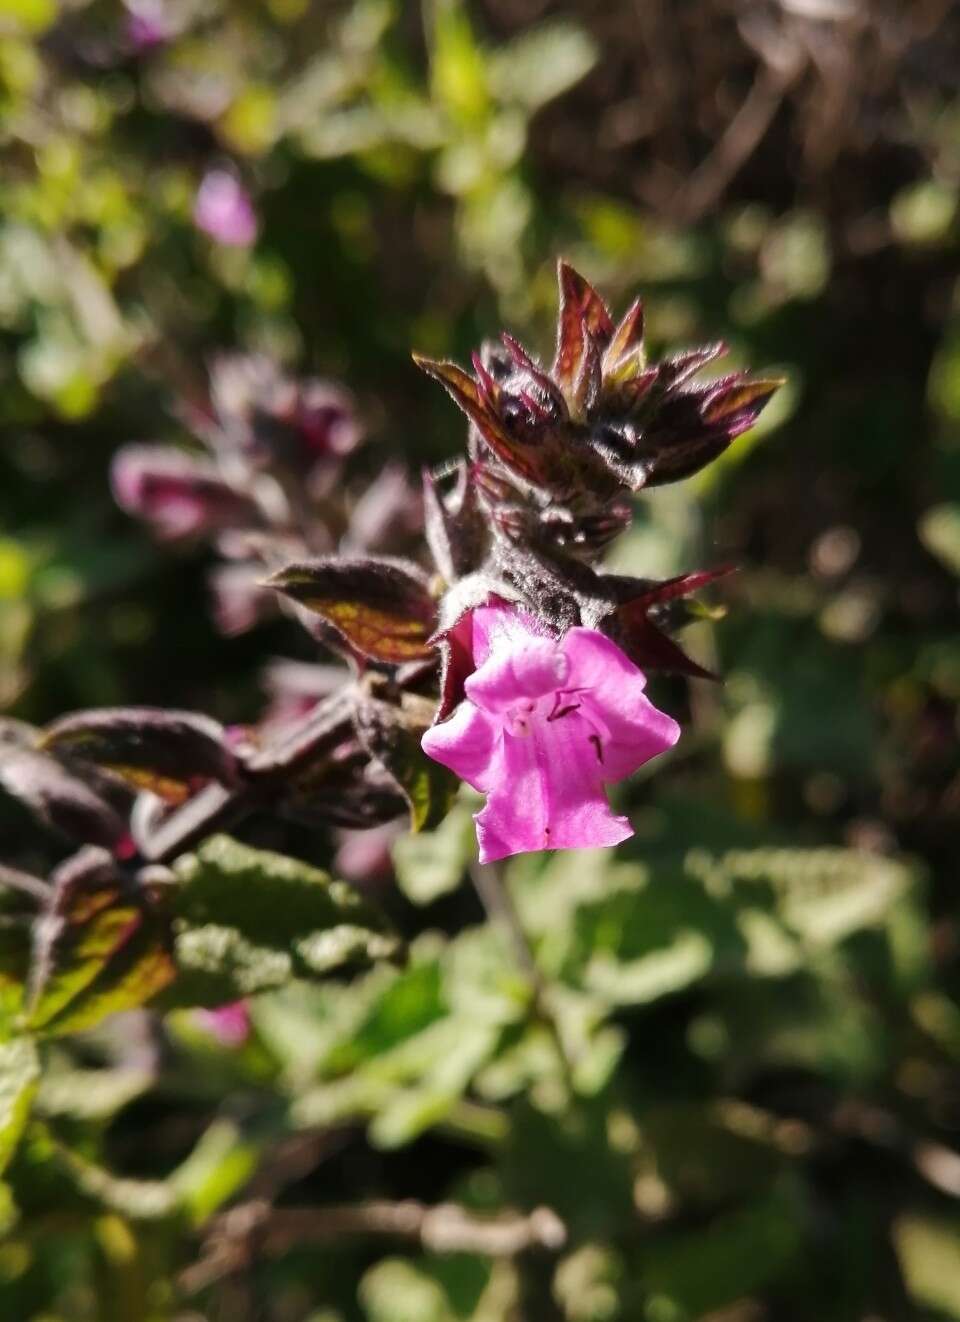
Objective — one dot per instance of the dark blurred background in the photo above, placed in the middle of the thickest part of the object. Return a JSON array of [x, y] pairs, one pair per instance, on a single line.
[[782, 174]]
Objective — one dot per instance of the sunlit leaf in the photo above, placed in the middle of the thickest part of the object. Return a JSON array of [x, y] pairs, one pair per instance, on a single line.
[[583, 318], [940, 533], [170, 753], [433, 863], [249, 919], [100, 946], [19, 1076], [382, 607], [541, 63]]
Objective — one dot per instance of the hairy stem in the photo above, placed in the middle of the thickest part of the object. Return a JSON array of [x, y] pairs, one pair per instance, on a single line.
[[498, 903]]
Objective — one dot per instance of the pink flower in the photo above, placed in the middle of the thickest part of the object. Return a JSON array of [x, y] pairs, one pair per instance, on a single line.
[[547, 723], [223, 210], [229, 1024]]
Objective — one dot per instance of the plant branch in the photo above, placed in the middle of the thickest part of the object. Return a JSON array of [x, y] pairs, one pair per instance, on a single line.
[[498, 903], [255, 1229]]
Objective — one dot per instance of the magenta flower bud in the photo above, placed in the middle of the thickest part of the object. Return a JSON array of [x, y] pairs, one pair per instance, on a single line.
[[177, 494], [545, 725], [223, 210]]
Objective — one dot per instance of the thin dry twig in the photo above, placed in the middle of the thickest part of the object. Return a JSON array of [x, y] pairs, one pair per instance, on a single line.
[[256, 1230], [741, 138], [496, 899]]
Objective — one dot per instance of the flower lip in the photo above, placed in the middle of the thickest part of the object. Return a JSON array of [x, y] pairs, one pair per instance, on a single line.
[[533, 671]]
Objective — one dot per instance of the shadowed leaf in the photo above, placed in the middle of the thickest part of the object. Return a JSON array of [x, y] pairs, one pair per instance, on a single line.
[[170, 753], [392, 737], [454, 529], [60, 797], [650, 648]]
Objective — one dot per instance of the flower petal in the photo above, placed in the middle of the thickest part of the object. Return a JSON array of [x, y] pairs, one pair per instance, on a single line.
[[468, 743], [548, 794], [532, 669], [631, 730], [502, 627]]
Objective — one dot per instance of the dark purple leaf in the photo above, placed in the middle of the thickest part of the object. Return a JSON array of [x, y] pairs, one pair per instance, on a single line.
[[582, 318], [391, 735], [178, 495], [60, 796], [99, 946], [170, 753], [383, 608], [454, 528]]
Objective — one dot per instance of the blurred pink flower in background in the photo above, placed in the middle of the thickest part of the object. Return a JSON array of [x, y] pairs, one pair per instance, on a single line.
[[365, 856], [148, 24], [229, 1024], [223, 209], [178, 494]]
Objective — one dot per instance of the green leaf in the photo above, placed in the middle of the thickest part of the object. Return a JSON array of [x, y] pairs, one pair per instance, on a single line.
[[633, 935], [541, 64], [31, 15], [452, 1288], [542, 1151], [822, 895], [248, 920], [411, 1111], [407, 1004], [19, 1076], [217, 1168], [458, 71], [924, 212], [433, 863], [940, 534], [929, 1251], [89, 1094], [706, 1155], [694, 1272]]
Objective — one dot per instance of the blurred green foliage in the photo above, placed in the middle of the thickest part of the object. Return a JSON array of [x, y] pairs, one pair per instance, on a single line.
[[733, 1077]]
